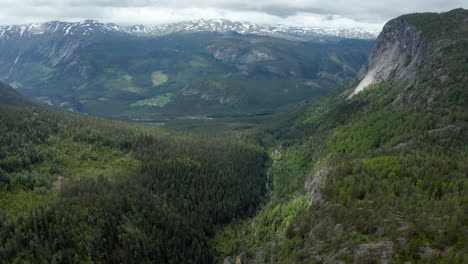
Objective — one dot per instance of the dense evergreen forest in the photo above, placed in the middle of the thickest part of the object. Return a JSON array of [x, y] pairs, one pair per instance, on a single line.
[[77, 189]]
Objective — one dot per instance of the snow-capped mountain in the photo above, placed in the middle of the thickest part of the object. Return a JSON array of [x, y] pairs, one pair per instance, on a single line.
[[87, 27], [222, 25], [91, 27]]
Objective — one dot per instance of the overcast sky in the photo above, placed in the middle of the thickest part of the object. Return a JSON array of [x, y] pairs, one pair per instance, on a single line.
[[370, 14]]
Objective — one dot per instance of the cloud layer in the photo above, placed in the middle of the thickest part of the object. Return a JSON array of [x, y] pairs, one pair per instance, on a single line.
[[368, 14]]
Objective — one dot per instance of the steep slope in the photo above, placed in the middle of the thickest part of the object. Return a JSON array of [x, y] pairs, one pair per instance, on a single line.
[[96, 69], [408, 45], [400, 50], [8, 96], [377, 175]]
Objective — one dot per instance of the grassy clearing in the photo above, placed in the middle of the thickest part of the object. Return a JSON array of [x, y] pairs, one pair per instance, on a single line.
[[199, 62], [312, 84], [158, 78], [127, 77], [159, 101], [133, 89]]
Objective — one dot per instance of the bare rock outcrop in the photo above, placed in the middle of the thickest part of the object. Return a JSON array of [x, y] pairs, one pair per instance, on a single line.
[[230, 54], [399, 51]]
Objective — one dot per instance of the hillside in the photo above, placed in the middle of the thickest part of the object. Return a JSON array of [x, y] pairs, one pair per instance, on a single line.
[[95, 69], [375, 172], [8, 96], [77, 189]]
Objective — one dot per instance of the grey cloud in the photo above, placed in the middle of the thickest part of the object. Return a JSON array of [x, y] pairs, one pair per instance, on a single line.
[[281, 10], [359, 11], [103, 3]]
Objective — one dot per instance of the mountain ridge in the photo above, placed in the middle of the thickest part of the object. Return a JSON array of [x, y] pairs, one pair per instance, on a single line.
[[192, 74], [88, 27]]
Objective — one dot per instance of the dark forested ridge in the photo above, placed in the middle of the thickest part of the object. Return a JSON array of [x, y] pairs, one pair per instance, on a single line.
[[8, 96], [77, 189]]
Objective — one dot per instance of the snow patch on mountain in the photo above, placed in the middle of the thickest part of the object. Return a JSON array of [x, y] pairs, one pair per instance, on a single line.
[[90, 27]]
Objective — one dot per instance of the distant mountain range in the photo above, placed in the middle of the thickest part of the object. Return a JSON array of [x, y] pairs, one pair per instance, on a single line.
[[90, 27], [204, 68]]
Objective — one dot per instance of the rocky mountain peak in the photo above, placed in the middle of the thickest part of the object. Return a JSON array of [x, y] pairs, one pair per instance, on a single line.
[[92, 27], [409, 43], [398, 50]]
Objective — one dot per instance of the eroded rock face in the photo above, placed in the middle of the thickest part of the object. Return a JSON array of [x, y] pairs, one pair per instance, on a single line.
[[226, 54], [399, 50], [315, 183], [256, 55], [230, 54]]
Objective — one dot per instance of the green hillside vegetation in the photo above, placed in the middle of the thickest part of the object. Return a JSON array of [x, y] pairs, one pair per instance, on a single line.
[[158, 78], [390, 170], [77, 189], [445, 25], [160, 101]]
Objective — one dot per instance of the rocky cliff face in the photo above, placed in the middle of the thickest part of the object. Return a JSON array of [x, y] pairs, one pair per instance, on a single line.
[[399, 50], [230, 54], [418, 49]]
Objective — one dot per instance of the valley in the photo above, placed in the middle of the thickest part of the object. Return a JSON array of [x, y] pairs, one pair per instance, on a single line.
[[131, 77], [198, 142]]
